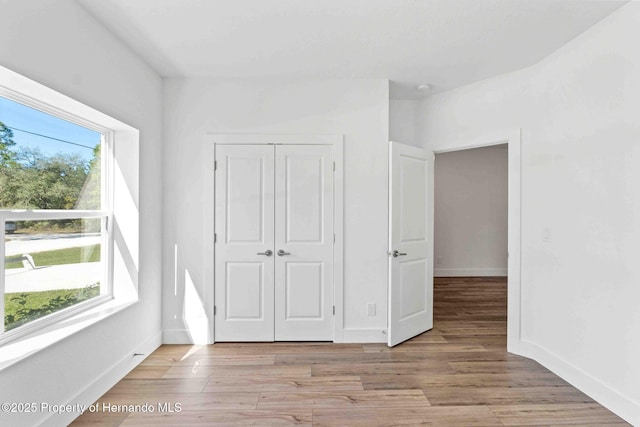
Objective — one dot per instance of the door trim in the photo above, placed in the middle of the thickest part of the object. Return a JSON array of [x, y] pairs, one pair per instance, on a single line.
[[513, 139], [337, 141]]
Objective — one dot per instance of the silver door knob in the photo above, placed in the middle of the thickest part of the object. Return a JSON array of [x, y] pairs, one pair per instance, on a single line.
[[283, 253], [268, 252], [397, 254]]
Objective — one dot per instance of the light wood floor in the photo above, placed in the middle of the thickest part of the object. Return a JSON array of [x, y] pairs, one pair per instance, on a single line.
[[458, 374]]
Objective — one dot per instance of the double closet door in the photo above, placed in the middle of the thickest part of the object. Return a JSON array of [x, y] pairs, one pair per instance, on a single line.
[[274, 243]]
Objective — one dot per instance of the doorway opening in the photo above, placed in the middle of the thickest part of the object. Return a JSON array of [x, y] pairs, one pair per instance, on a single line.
[[476, 251], [470, 245]]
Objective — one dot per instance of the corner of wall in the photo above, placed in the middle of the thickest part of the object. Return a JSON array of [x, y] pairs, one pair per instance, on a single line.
[[104, 381], [623, 406]]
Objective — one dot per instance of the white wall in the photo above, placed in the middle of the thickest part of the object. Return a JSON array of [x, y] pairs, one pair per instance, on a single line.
[[470, 212], [402, 121], [578, 110], [357, 109], [56, 43]]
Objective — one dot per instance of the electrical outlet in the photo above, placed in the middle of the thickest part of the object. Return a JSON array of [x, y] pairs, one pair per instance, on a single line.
[[438, 260], [371, 309]]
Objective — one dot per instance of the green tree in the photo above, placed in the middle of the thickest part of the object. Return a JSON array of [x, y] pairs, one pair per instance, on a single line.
[[90, 196], [6, 141], [6, 156], [35, 181]]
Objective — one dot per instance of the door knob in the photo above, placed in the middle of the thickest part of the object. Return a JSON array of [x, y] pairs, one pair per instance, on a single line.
[[268, 252], [283, 253], [397, 254]]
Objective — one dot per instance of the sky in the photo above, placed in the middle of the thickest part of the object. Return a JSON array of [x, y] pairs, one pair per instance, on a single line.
[[17, 116]]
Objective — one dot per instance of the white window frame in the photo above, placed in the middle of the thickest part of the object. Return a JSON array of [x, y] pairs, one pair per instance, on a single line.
[[106, 290], [106, 213]]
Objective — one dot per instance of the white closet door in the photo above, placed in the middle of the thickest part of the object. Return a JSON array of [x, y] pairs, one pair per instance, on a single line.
[[410, 273], [244, 226], [304, 243]]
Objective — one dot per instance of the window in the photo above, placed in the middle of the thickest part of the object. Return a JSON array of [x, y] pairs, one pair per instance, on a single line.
[[55, 211]]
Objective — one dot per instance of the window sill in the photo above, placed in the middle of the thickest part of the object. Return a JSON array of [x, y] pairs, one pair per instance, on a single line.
[[15, 351]]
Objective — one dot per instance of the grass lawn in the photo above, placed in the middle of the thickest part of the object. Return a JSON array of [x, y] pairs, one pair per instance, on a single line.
[[89, 253], [22, 307]]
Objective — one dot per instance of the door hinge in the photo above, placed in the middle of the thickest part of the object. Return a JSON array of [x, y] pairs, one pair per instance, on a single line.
[[334, 166], [215, 165], [215, 310], [215, 237], [334, 310], [334, 237]]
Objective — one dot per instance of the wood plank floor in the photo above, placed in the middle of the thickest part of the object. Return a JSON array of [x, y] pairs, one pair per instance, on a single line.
[[458, 374]]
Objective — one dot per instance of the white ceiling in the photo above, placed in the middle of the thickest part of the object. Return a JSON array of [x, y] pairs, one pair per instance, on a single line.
[[446, 43]]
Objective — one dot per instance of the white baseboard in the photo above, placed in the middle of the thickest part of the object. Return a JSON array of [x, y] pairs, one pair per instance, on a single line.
[[364, 335], [180, 336], [621, 405], [469, 272], [104, 382]]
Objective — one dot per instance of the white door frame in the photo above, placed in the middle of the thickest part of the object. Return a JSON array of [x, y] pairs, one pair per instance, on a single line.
[[338, 214], [513, 139]]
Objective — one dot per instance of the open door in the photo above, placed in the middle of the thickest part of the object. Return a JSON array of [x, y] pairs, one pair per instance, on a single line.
[[410, 272]]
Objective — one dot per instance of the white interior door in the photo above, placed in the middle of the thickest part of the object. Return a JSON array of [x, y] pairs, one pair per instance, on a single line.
[[274, 243], [244, 227], [304, 243], [410, 272]]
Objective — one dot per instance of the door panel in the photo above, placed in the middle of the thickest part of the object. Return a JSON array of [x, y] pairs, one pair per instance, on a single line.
[[245, 214], [303, 290], [244, 284], [410, 273], [413, 201], [304, 220], [244, 225], [304, 202], [412, 277]]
